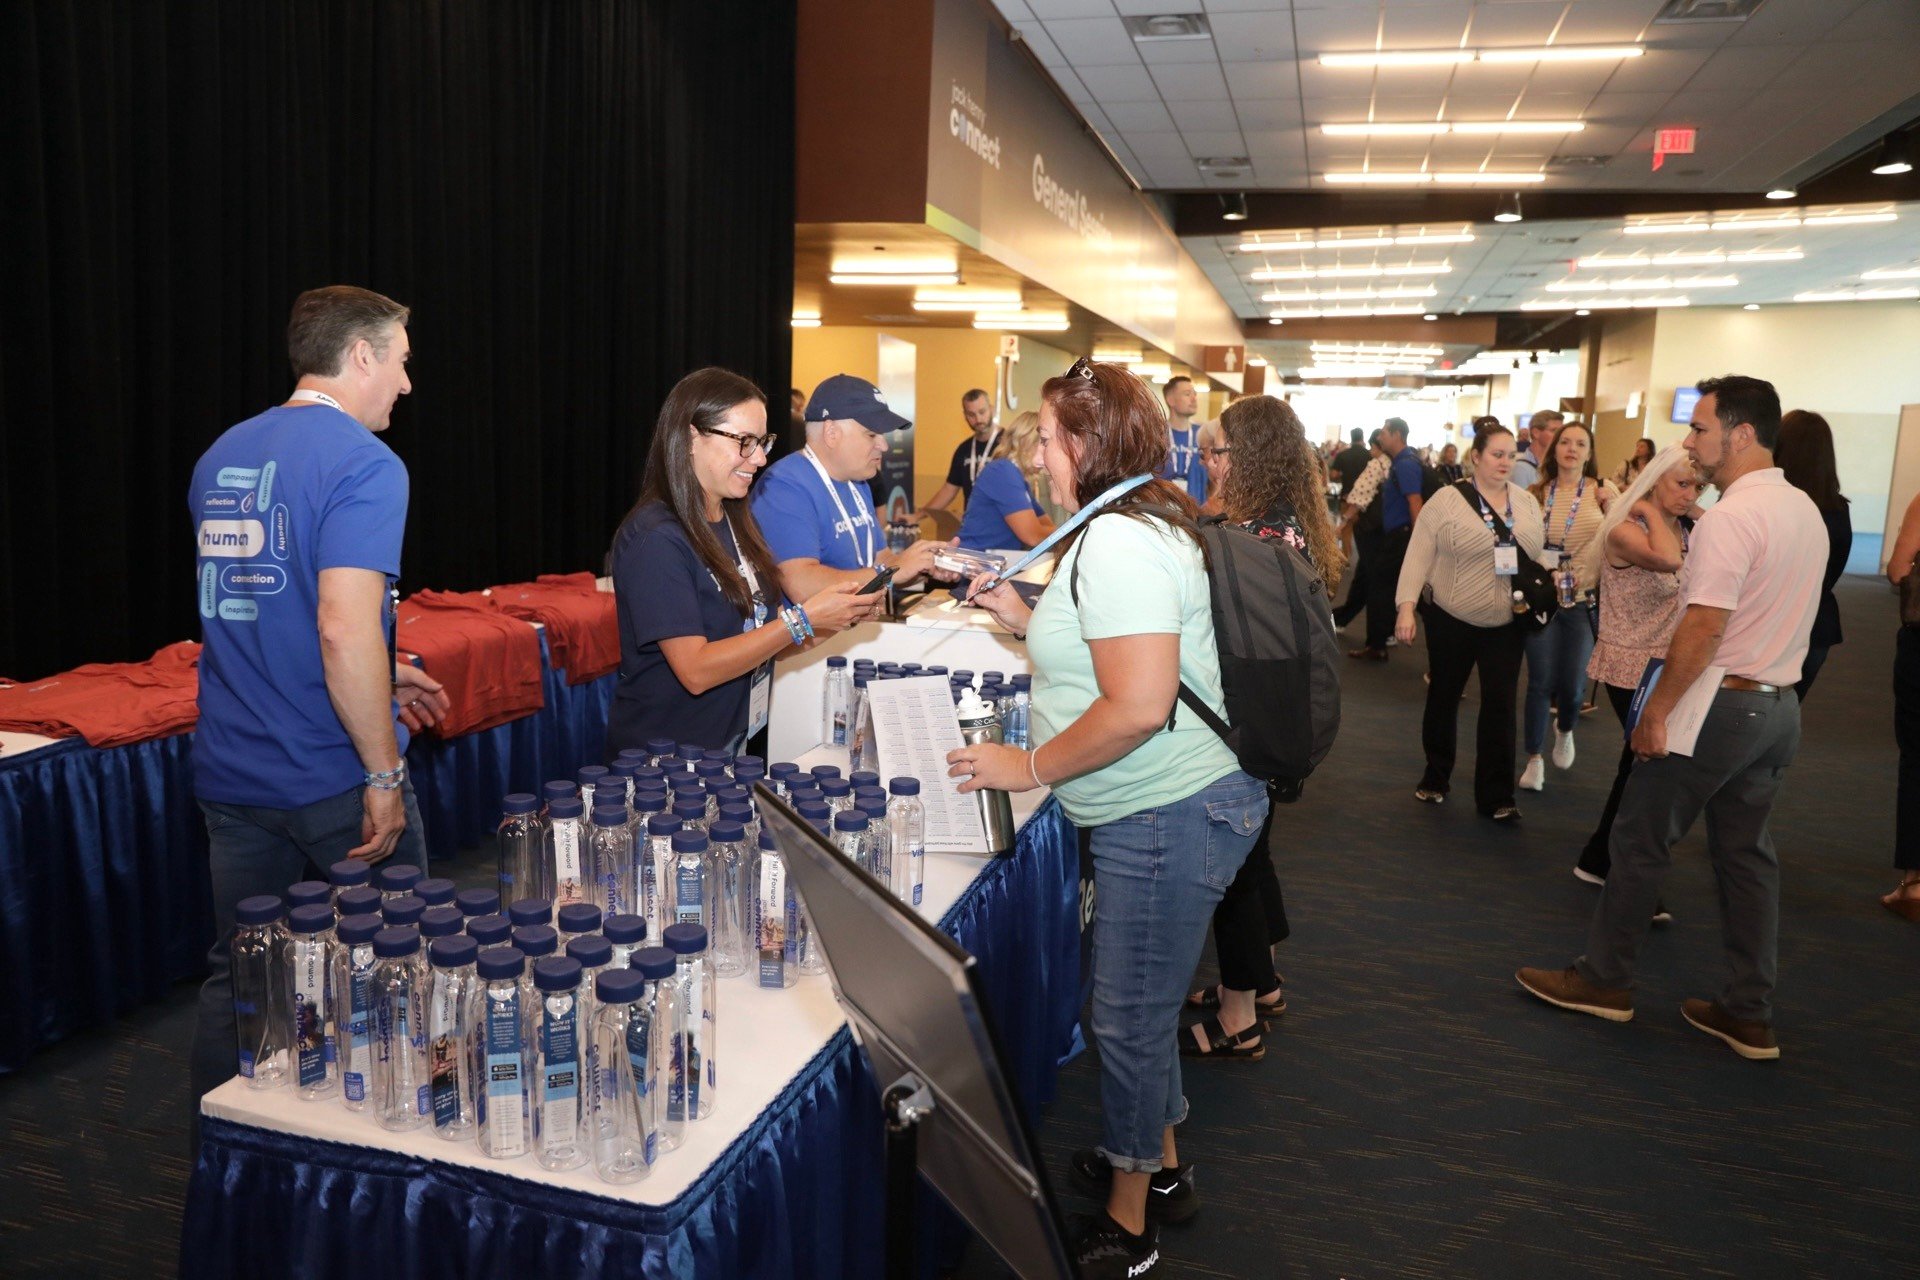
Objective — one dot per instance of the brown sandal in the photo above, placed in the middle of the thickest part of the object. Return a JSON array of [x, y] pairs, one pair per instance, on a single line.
[[1208, 998], [1218, 1044]]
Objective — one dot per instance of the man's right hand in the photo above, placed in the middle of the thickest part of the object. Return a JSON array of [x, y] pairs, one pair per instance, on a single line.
[[383, 817]]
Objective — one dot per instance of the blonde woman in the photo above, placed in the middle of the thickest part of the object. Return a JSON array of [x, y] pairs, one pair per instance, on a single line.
[[1002, 511]]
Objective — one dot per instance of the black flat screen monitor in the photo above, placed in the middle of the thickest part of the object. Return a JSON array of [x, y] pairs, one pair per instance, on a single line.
[[914, 1001]]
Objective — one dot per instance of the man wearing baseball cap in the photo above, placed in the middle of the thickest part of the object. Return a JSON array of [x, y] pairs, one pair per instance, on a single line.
[[813, 507]]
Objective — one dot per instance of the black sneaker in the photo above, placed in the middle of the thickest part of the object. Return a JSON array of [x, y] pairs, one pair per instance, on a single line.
[[1104, 1250], [1170, 1193]]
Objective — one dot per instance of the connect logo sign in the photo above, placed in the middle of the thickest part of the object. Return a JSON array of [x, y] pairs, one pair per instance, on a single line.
[[253, 579], [238, 477], [233, 539], [281, 540], [220, 502]]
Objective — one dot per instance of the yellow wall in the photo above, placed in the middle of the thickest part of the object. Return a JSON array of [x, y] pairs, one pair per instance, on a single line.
[[948, 363]]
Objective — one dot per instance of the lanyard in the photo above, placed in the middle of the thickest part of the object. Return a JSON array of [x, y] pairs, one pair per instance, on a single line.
[[746, 571], [317, 397], [1578, 490], [1486, 513], [865, 549], [977, 459], [1078, 518]]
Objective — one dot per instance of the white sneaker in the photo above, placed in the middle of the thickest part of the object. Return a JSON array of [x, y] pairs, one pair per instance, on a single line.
[[1562, 748], [1534, 776]]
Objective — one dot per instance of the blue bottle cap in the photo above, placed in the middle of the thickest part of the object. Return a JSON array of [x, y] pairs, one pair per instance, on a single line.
[[309, 893], [452, 952], [662, 824], [609, 815], [868, 792], [963, 675], [735, 794], [747, 774], [912, 668], [498, 964], [633, 753], [741, 813], [654, 963], [490, 931], [661, 746], [860, 679], [435, 892], [591, 951], [311, 918], [649, 802], [618, 986], [1022, 682], [864, 778], [889, 666], [825, 771], [358, 931], [361, 900], [767, 841], [395, 941], [834, 788], [519, 803], [684, 939], [568, 807], [992, 677], [934, 671], [749, 762], [783, 769], [649, 773], [624, 929], [690, 810], [718, 753], [558, 790], [398, 879], [687, 784], [477, 902], [836, 661], [579, 917], [874, 806], [441, 922], [814, 810], [904, 786], [405, 909], [717, 784], [801, 792], [623, 769], [692, 751], [536, 940], [589, 775], [726, 829], [531, 911], [689, 842], [849, 820], [709, 769], [348, 872], [556, 973]]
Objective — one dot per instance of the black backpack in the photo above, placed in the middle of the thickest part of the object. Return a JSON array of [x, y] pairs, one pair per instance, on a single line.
[[1279, 656]]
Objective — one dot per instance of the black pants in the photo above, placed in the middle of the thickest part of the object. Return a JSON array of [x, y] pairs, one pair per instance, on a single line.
[[1383, 580], [1250, 919], [1810, 669], [1906, 732], [1454, 648], [1595, 858], [1366, 553]]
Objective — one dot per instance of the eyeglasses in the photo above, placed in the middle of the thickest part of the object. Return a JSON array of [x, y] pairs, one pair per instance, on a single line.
[[1218, 451], [748, 444]]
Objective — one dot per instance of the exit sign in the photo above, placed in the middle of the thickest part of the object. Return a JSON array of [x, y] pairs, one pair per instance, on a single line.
[[1672, 142]]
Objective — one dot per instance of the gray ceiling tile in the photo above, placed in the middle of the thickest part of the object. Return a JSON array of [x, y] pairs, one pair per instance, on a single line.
[[1426, 26], [1252, 36], [1524, 22], [1620, 22], [1119, 84], [1051, 9], [1093, 42], [1142, 117], [1174, 52], [1013, 10], [1191, 83], [1195, 116], [1215, 142], [1262, 79], [1267, 113], [1660, 69], [1248, 6], [1794, 23], [1041, 43], [1156, 147], [1895, 21], [1336, 28], [1275, 144]]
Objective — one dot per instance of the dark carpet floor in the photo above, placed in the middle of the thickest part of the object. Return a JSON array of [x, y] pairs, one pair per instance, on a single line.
[[1416, 1115]]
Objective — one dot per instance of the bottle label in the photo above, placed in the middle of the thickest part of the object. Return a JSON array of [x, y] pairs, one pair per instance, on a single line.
[[310, 1012], [506, 1081], [640, 1069], [359, 1030], [919, 862], [567, 886], [560, 1074], [692, 1057], [687, 882], [443, 1065], [614, 902], [774, 942]]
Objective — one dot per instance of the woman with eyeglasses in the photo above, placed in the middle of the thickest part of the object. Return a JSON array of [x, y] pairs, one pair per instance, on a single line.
[[1164, 809], [699, 603], [1216, 455]]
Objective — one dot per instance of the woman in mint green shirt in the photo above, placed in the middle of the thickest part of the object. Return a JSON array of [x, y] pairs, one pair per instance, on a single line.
[[1161, 801]]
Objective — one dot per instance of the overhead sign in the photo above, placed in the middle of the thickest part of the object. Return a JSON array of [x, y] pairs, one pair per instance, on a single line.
[[1672, 142], [1223, 359]]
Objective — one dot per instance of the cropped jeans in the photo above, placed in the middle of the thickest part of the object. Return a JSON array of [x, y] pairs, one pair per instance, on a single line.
[[1557, 668], [1157, 875]]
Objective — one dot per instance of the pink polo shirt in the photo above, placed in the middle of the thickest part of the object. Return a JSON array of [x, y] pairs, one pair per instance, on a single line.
[[1760, 551]]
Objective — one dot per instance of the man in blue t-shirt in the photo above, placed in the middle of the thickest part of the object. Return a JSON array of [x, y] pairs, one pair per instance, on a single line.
[[298, 515], [1184, 465], [1399, 508], [813, 507]]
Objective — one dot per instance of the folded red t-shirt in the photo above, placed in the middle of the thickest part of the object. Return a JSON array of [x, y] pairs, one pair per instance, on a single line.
[[583, 629], [110, 704], [488, 661]]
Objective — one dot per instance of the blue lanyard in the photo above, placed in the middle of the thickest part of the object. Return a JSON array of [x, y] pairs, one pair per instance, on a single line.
[[1578, 490], [1073, 522]]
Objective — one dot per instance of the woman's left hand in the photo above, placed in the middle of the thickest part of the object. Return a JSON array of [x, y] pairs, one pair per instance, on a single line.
[[990, 766]]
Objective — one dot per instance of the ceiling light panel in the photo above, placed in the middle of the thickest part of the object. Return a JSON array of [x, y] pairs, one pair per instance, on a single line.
[[1607, 303], [1339, 273], [1892, 273], [1434, 128], [1348, 295], [1267, 243], [1379, 178], [1446, 57], [1856, 295], [1642, 283]]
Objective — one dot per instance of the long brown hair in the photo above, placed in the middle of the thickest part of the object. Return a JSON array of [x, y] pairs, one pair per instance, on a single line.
[[1804, 450], [1272, 460], [1550, 465], [702, 399], [1118, 431]]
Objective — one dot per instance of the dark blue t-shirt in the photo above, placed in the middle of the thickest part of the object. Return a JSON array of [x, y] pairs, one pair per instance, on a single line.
[[277, 499], [999, 491], [1403, 479], [799, 520], [663, 589], [1184, 462]]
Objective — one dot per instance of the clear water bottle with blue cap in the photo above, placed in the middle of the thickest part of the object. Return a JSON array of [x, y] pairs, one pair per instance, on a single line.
[[453, 1086], [611, 854], [694, 1075], [872, 802], [1023, 710], [308, 893], [567, 851], [397, 881], [691, 883], [850, 833], [620, 1116], [731, 872], [435, 891], [779, 928], [556, 789], [907, 829], [656, 872], [257, 958], [592, 953], [401, 1098], [661, 1004], [617, 785], [349, 873], [863, 778], [833, 697], [521, 840], [558, 1065], [536, 941], [524, 911], [780, 776], [477, 902], [586, 780], [860, 723], [403, 910], [490, 931], [660, 751], [353, 963], [361, 900], [692, 812], [576, 920], [502, 1028], [627, 934], [315, 1059], [441, 922], [838, 793], [741, 812]]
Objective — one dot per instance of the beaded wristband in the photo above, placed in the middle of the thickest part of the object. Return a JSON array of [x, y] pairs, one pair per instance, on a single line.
[[791, 618], [805, 622], [388, 779]]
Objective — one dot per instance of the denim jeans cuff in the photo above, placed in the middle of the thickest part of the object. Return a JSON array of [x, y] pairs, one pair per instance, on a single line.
[[1128, 1164], [1179, 1116]]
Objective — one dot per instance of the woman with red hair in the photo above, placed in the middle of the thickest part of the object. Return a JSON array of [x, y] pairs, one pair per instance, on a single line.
[[1163, 806]]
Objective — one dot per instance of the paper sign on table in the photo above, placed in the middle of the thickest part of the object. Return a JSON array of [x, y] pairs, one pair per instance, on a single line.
[[915, 727]]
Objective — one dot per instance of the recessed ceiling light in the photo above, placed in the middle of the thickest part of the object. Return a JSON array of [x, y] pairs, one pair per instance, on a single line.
[[805, 322], [1508, 210], [1751, 306], [1430, 316], [1895, 156], [1892, 273], [1233, 208], [1583, 312], [897, 276], [1783, 193], [1445, 57]]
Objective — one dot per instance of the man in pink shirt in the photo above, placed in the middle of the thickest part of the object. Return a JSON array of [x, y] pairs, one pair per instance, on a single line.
[[1751, 589]]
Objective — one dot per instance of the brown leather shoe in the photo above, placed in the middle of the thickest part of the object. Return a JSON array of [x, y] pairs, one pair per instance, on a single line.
[[1751, 1040], [1567, 989], [1367, 653]]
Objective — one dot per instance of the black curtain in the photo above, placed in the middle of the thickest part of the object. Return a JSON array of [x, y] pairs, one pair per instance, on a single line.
[[580, 201]]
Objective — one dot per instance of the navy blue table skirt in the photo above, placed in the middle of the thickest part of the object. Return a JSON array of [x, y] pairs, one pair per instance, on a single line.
[[799, 1194]]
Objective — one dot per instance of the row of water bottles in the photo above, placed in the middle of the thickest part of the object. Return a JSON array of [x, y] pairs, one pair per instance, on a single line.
[[480, 1026], [846, 721]]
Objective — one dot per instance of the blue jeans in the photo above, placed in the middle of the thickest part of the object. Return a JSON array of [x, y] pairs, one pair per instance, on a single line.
[[1157, 875], [253, 851], [1557, 668]]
